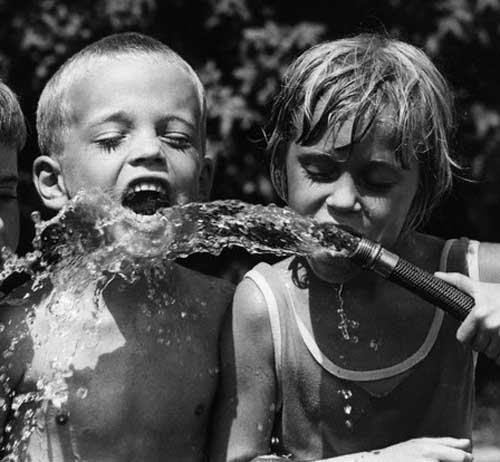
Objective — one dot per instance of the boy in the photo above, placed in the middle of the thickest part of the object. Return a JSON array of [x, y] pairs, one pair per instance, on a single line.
[[125, 115], [12, 139]]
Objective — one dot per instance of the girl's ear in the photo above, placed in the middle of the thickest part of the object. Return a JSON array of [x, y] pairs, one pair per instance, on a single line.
[[49, 182], [206, 178]]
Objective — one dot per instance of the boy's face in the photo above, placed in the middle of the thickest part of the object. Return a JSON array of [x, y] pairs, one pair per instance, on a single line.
[[361, 186], [9, 208], [136, 133]]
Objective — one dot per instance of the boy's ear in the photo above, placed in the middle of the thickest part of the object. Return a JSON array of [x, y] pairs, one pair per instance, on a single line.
[[206, 178], [49, 182]]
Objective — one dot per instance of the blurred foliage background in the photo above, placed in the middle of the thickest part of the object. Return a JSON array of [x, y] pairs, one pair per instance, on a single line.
[[240, 48]]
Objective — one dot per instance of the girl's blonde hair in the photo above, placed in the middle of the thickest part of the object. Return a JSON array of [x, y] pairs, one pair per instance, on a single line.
[[355, 79]]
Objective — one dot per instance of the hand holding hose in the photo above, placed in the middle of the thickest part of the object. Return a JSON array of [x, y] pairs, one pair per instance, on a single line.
[[481, 328]]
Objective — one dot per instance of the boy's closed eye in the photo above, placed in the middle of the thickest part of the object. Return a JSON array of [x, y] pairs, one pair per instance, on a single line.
[[178, 140], [109, 141], [177, 132]]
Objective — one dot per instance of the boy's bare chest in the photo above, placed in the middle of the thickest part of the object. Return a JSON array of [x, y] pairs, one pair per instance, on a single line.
[[148, 375]]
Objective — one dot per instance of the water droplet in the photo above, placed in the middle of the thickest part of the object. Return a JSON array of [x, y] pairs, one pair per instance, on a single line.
[[183, 314], [348, 409], [346, 394], [36, 217], [260, 427], [82, 392], [349, 424], [61, 418], [2, 327]]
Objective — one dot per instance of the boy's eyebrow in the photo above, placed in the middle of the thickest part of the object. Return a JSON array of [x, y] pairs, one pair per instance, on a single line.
[[118, 116], [174, 118], [124, 118]]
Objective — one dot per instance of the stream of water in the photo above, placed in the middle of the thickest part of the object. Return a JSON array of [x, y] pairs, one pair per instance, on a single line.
[[91, 241]]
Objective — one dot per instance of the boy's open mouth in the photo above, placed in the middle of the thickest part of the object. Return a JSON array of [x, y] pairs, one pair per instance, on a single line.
[[146, 197]]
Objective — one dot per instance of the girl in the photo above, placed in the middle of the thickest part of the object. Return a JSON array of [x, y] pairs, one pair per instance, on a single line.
[[322, 359]]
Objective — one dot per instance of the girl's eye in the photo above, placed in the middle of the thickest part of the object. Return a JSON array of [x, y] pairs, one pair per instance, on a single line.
[[378, 185], [379, 179], [321, 169]]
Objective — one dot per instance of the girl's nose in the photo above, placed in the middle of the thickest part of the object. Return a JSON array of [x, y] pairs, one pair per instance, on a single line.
[[344, 195]]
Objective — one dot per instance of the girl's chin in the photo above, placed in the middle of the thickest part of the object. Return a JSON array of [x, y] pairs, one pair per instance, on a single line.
[[333, 268]]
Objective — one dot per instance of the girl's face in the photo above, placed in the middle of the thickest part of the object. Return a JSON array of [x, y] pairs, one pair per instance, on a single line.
[[359, 186]]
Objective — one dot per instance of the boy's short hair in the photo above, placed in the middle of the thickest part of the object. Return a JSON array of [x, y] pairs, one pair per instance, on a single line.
[[12, 123], [54, 109], [356, 78]]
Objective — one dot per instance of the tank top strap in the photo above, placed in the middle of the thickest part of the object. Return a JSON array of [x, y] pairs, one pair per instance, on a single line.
[[269, 284], [454, 251]]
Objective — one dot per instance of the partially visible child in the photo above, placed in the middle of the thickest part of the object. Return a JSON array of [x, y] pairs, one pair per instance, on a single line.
[[12, 139], [323, 360], [126, 115]]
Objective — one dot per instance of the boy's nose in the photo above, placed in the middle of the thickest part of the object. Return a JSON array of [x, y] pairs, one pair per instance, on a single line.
[[147, 150], [344, 195]]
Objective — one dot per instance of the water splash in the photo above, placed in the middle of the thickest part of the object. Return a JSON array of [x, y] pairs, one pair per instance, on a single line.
[[95, 233], [345, 324], [93, 239]]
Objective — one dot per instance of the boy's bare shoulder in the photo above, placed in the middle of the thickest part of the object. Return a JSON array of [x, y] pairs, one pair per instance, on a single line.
[[16, 307], [16, 343]]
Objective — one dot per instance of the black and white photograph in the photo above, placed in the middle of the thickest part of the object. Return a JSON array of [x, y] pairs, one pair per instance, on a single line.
[[249, 231]]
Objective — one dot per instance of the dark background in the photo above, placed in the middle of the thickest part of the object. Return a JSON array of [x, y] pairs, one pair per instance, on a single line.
[[240, 48]]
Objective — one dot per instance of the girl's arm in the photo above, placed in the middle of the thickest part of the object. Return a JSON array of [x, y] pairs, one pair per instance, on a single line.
[[416, 450], [246, 400]]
